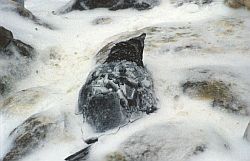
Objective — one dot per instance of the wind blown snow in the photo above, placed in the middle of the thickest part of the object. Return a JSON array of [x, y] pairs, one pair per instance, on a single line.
[[66, 56]]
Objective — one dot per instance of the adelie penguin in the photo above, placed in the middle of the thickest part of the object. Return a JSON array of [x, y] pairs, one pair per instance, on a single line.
[[120, 89]]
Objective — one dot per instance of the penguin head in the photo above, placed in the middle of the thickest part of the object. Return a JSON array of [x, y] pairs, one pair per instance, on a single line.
[[130, 50]]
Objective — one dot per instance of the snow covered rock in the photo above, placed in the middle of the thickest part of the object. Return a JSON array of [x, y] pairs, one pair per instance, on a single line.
[[247, 133], [17, 54], [110, 4], [17, 6], [176, 141], [238, 3], [246, 3], [30, 134], [234, 3], [5, 37], [9, 45], [219, 92], [23, 103], [179, 3], [119, 89]]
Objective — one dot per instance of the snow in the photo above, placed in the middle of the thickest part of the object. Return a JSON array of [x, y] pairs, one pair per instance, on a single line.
[[66, 56]]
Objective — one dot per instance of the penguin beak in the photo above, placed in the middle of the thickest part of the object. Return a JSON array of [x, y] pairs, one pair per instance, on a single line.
[[141, 38]]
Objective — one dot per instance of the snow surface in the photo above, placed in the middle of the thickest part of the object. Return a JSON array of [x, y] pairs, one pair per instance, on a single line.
[[66, 56]]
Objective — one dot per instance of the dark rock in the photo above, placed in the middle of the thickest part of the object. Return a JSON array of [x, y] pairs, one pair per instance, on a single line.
[[234, 3], [25, 13], [142, 6], [119, 89], [91, 4], [23, 49], [80, 155], [5, 37], [238, 3], [17, 48], [91, 140], [29, 15], [131, 4], [10, 46], [199, 149], [16, 55], [220, 93], [247, 133], [198, 2], [110, 4], [29, 135]]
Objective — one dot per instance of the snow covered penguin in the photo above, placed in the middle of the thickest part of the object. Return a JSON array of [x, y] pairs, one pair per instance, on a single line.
[[120, 89]]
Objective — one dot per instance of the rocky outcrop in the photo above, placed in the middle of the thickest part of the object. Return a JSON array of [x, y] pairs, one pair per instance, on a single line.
[[238, 3], [5, 37], [179, 3], [170, 141], [16, 55], [247, 133], [17, 6], [80, 155], [119, 89], [9, 46], [23, 103], [110, 4], [219, 92], [30, 134]]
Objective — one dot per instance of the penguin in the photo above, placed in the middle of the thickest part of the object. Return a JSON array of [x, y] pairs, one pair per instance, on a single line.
[[118, 90]]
